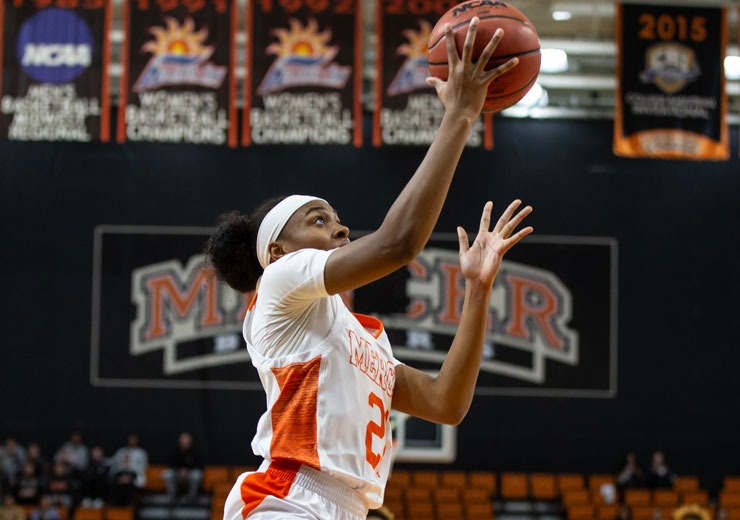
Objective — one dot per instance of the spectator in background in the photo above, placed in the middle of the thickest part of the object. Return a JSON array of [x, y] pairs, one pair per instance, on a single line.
[[184, 470], [10, 510], [40, 463], [95, 480], [132, 457], [122, 482], [60, 487], [631, 476], [12, 459], [660, 475], [28, 486], [74, 454], [46, 510]]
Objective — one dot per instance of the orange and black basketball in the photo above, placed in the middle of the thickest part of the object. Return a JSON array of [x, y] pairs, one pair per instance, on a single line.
[[520, 40]]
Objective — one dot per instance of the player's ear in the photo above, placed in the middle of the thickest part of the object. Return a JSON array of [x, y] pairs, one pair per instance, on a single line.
[[276, 251]]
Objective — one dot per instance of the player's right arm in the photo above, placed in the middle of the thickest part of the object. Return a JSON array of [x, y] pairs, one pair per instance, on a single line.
[[410, 220]]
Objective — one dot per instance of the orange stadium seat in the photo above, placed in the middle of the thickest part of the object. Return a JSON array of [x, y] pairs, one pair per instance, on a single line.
[[542, 486], [424, 478], [607, 512], [733, 513], [576, 497], [569, 481], [154, 480], [446, 495], [729, 499], [418, 494], [450, 511], [392, 494], [118, 513], [475, 495], [595, 481], [479, 511], [637, 497], [88, 513], [420, 510], [453, 479], [700, 498], [643, 512], [514, 486], [213, 475], [731, 483], [665, 498], [686, 483], [581, 512], [399, 478], [483, 479]]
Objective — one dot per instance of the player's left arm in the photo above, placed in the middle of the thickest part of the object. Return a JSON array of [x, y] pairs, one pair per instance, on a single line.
[[446, 398]]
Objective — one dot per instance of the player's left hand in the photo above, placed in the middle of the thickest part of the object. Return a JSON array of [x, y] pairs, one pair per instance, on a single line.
[[482, 261]]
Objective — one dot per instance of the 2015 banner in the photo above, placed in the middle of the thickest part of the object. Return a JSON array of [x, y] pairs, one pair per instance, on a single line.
[[178, 83], [671, 100], [305, 72], [53, 70], [407, 110]]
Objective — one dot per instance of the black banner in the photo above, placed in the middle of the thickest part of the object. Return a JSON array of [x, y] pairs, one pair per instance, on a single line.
[[407, 110], [161, 320], [178, 83], [54, 57], [305, 72], [671, 100]]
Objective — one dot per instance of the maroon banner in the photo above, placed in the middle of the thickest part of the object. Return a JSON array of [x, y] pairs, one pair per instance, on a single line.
[[407, 110], [54, 58], [178, 83], [304, 83]]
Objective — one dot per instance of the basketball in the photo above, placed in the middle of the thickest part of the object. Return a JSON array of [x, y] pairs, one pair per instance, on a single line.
[[520, 40]]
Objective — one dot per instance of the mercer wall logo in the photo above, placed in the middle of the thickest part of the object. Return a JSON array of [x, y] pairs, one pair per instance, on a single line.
[[530, 311], [177, 304]]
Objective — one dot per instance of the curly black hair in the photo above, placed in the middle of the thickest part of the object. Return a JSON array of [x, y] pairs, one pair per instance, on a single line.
[[232, 250]]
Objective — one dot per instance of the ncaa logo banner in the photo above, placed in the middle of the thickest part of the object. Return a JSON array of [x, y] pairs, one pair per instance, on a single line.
[[161, 320], [53, 70], [178, 84], [305, 73], [408, 111], [671, 99]]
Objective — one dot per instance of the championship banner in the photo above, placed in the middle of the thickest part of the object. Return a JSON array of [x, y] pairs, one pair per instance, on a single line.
[[670, 99], [407, 110], [160, 320], [304, 80], [178, 83], [54, 57]]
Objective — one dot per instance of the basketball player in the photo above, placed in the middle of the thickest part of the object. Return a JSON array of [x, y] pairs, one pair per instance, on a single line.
[[330, 375]]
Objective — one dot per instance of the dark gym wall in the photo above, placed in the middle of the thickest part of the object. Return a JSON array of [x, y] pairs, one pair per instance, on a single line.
[[676, 224]]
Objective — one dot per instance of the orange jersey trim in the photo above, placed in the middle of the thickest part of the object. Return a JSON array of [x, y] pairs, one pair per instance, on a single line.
[[371, 324], [294, 423], [275, 482]]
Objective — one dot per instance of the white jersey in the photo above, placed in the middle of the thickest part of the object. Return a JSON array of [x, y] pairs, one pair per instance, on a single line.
[[328, 375]]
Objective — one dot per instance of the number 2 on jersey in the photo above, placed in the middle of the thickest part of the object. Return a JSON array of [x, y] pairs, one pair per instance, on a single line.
[[376, 429]]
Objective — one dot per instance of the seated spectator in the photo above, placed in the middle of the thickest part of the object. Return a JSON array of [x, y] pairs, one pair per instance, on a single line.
[[10, 510], [28, 487], [12, 458], [122, 482], [132, 457], [660, 475], [631, 476], [35, 457], [74, 454], [60, 487], [184, 470], [95, 480], [46, 510]]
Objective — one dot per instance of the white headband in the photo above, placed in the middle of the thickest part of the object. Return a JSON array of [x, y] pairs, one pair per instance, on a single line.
[[275, 221]]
